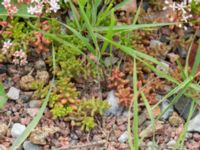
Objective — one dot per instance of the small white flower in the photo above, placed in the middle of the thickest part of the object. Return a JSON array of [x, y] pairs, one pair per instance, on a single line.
[[6, 3], [32, 10], [7, 44], [54, 6], [20, 58]]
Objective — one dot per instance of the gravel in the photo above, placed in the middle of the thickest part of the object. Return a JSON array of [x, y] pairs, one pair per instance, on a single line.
[[113, 101], [124, 137], [30, 146], [17, 130], [13, 93]]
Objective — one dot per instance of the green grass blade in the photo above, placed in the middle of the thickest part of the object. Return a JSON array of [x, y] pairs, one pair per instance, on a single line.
[[186, 68], [197, 61], [131, 27], [177, 89], [60, 40], [135, 108], [3, 96], [75, 15], [132, 52], [88, 25], [86, 41], [104, 13], [175, 99], [95, 6], [181, 139], [109, 34], [137, 13]]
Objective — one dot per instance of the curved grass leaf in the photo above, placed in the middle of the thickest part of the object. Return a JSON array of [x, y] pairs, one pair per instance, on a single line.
[[131, 27]]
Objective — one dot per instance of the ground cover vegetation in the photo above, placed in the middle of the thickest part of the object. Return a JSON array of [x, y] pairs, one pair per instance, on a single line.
[[99, 74]]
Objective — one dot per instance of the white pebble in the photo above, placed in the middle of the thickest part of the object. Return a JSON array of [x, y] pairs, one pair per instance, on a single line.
[[17, 130]]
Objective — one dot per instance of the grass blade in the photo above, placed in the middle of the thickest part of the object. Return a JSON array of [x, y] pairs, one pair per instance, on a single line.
[[86, 41], [75, 15], [88, 25], [135, 108], [197, 62], [60, 40], [3, 96], [183, 133], [131, 27]]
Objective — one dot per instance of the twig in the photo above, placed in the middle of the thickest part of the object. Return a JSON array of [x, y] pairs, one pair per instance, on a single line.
[[83, 145]]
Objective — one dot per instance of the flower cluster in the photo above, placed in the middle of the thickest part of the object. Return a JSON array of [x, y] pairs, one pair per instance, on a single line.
[[6, 46], [20, 58], [182, 8], [11, 8], [38, 5]]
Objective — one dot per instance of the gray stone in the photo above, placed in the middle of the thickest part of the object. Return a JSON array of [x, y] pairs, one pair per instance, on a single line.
[[74, 136], [164, 105], [151, 146], [155, 44], [110, 61], [181, 52], [113, 101], [194, 124], [3, 69], [173, 57], [183, 107], [124, 137], [26, 96], [32, 111], [13, 93], [164, 68], [30, 146], [17, 130], [171, 144]]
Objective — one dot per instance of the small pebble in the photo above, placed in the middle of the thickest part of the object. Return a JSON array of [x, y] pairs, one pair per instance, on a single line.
[[124, 137], [30, 146], [17, 130], [3, 69], [171, 144], [13, 93], [74, 136], [113, 101], [32, 111]]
